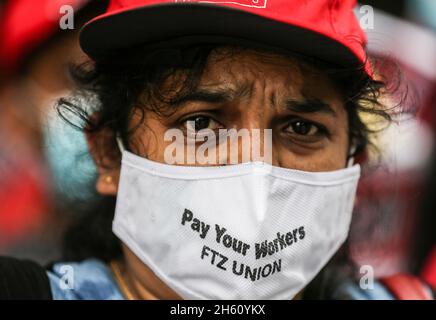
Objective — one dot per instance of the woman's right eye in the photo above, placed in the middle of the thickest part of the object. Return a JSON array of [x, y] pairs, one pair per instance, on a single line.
[[197, 123]]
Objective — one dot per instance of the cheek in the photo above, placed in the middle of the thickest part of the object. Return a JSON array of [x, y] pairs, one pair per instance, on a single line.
[[148, 139], [331, 156], [328, 159]]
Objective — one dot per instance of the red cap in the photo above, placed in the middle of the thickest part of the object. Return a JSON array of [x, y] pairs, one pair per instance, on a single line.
[[28, 23], [324, 29]]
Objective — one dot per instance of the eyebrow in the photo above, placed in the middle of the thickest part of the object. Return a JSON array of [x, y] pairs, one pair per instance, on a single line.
[[204, 95], [226, 95], [309, 106], [214, 95]]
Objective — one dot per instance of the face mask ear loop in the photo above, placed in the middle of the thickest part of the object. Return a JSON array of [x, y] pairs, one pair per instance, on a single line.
[[120, 144], [351, 159]]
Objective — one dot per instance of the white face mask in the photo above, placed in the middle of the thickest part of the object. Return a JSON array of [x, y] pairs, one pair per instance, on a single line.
[[247, 231]]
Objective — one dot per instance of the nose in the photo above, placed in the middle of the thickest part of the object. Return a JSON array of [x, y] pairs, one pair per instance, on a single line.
[[252, 137]]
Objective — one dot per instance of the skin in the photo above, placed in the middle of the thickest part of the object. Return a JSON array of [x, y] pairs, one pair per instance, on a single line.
[[251, 90]]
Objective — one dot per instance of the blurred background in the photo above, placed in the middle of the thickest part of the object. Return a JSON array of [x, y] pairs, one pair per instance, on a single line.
[[47, 176], [46, 173]]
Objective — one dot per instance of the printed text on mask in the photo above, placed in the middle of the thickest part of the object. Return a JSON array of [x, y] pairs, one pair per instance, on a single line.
[[261, 249]]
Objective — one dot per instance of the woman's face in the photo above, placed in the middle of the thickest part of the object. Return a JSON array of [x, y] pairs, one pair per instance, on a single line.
[[250, 90]]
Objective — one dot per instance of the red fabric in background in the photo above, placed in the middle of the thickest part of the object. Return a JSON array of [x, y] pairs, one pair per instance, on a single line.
[[24, 202], [26, 24], [429, 272]]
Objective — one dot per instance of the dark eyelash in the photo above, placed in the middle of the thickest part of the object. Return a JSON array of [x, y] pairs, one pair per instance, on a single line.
[[321, 128], [192, 117], [182, 120]]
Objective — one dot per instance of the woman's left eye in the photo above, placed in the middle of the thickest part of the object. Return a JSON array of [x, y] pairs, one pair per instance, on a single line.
[[303, 128]]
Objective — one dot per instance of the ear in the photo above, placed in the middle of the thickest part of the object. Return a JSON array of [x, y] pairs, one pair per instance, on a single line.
[[107, 157]]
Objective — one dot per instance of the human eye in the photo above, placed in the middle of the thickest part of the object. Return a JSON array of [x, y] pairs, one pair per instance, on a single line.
[[303, 130], [196, 126]]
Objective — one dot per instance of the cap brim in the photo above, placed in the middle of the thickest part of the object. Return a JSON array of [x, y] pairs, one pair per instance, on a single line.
[[190, 23]]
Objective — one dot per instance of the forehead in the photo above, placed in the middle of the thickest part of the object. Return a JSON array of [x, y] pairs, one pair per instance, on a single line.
[[234, 67]]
